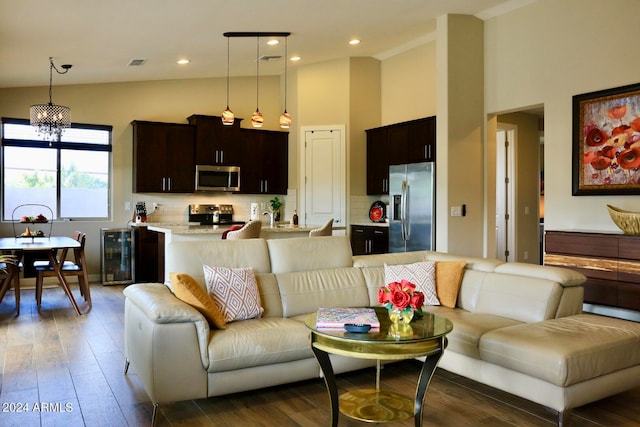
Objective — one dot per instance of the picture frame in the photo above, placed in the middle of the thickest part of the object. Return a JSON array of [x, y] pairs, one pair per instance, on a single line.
[[606, 142]]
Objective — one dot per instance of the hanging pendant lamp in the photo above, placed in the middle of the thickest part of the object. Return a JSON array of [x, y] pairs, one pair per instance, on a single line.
[[228, 118], [51, 119], [285, 118], [257, 120]]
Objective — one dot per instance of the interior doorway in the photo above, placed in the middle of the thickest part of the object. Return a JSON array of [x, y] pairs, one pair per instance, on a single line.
[[519, 201]]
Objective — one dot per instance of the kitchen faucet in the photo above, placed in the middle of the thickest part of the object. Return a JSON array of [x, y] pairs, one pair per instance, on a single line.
[[271, 216]]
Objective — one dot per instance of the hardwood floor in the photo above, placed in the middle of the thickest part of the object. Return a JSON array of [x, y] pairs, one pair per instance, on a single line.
[[58, 369]]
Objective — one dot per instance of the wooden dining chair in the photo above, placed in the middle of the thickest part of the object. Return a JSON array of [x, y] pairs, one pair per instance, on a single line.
[[76, 267], [8, 271]]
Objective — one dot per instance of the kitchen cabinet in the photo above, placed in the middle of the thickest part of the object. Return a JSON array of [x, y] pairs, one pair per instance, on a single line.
[[611, 263], [146, 255], [215, 143], [163, 157], [408, 142], [369, 239], [265, 165]]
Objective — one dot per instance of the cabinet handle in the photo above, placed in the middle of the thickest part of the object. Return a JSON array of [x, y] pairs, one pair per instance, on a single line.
[[266, 186], [216, 157], [377, 232], [429, 151], [163, 183], [221, 156], [169, 181]]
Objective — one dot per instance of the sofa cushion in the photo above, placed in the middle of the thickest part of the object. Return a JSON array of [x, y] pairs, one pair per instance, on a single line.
[[306, 291], [421, 274], [258, 342], [305, 254], [523, 298], [468, 328], [565, 351], [448, 280], [188, 290], [235, 291], [188, 256]]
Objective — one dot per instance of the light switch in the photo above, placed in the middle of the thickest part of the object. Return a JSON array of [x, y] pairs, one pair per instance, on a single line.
[[456, 210]]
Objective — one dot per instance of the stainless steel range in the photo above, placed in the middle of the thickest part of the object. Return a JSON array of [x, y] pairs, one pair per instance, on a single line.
[[212, 214]]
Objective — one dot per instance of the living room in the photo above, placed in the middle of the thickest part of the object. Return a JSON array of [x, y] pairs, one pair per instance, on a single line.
[[467, 72]]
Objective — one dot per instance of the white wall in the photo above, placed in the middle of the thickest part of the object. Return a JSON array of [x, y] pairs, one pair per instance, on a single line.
[[547, 52]]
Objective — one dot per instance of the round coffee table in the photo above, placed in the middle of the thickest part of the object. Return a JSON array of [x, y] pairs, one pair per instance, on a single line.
[[425, 337]]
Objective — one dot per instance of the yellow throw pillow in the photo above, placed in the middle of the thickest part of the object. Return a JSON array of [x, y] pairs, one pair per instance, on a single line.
[[187, 289], [448, 280]]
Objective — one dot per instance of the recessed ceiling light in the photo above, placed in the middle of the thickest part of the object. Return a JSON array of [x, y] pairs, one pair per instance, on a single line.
[[295, 58], [273, 42], [354, 42], [183, 61]]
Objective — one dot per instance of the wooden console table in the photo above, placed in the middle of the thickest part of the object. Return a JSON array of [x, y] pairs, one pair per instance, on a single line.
[[610, 261]]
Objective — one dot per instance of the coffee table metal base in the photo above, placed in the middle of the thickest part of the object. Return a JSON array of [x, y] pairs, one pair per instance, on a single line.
[[376, 406]]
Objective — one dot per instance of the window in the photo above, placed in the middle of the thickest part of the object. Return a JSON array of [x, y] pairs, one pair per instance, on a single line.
[[72, 176]]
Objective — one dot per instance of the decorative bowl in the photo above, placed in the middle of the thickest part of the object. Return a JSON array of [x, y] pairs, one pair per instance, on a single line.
[[627, 221]]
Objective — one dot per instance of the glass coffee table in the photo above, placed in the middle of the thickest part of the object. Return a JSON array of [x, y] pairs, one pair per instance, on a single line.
[[424, 337]]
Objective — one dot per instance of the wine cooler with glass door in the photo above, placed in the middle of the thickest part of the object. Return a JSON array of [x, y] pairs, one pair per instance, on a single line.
[[116, 256]]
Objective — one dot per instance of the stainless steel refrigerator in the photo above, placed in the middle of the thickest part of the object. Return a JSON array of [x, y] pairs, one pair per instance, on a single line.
[[411, 202]]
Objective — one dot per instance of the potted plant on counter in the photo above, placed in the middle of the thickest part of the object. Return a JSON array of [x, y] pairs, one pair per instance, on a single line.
[[276, 204]]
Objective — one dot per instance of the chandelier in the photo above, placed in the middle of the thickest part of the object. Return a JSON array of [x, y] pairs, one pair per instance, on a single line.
[[257, 118], [51, 119]]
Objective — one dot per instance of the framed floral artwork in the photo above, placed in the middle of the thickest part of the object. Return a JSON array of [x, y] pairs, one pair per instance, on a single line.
[[606, 142]]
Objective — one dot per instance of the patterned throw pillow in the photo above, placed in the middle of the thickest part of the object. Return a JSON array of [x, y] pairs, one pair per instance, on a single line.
[[421, 274], [235, 291], [187, 289], [448, 280]]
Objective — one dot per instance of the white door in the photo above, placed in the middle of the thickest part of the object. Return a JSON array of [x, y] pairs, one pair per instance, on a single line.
[[324, 174], [505, 194]]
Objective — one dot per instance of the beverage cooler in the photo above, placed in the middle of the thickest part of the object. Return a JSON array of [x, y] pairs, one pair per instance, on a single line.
[[116, 256]]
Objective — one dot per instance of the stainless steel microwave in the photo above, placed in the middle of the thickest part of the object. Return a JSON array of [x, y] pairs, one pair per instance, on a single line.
[[217, 178]]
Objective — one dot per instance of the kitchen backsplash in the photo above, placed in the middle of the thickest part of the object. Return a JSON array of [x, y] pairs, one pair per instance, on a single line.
[[172, 208]]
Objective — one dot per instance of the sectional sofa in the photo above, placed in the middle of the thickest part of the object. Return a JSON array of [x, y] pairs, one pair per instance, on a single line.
[[517, 327]]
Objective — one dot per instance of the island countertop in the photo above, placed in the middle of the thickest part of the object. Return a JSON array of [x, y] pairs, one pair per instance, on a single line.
[[196, 229]]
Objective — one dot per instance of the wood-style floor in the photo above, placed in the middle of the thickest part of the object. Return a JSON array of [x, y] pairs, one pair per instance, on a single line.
[[58, 369]]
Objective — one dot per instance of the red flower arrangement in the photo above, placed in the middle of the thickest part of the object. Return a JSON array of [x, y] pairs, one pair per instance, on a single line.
[[401, 296]]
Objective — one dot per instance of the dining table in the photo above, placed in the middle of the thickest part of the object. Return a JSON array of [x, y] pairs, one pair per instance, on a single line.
[[50, 245]]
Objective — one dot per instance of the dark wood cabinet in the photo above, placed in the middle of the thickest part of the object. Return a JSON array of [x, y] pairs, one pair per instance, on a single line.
[[215, 143], [146, 255], [400, 143], [611, 263], [369, 239], [163, 157], [265, 164]]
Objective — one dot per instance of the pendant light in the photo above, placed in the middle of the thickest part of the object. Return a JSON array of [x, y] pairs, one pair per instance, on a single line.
[[257, 120], [285, 118], [51, 119], [228, 118]]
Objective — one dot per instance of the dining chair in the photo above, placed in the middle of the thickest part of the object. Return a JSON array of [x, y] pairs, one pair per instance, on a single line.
[[325, 230], [250, 230], [76, 267], [8, 271]]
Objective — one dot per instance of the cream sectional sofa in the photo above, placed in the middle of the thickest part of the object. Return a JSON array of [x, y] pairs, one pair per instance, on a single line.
[[517, 327]]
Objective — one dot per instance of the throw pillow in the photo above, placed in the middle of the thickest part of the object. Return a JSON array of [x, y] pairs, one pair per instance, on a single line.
[[187, 289], [448, 280], [235, 291], [421, 274]]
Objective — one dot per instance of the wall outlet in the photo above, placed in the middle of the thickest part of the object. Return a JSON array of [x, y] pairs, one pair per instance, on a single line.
[[525, 255], [456, 210], [127, 206]]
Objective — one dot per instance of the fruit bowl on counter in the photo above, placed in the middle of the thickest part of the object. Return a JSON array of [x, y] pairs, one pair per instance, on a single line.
[[38, 219]]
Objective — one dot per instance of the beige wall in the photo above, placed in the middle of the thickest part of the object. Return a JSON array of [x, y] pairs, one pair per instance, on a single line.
[[409, 85], [544, 54]]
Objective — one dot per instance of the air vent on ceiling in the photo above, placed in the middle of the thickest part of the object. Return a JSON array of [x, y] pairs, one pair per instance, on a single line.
[[269, 58], [137, 62]]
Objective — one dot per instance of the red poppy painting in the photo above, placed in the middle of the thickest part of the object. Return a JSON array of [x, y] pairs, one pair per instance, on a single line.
[[606, 142]]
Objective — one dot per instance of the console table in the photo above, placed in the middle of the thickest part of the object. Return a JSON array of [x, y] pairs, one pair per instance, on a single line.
[[611, 262]]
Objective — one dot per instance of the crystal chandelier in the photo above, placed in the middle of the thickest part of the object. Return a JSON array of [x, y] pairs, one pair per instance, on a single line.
[[51, 119]]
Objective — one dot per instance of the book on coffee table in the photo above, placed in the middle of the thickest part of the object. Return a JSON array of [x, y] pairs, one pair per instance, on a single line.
[[337, 317]]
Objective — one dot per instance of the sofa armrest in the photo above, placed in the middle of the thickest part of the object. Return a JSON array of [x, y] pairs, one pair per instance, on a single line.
[[160, 306]]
